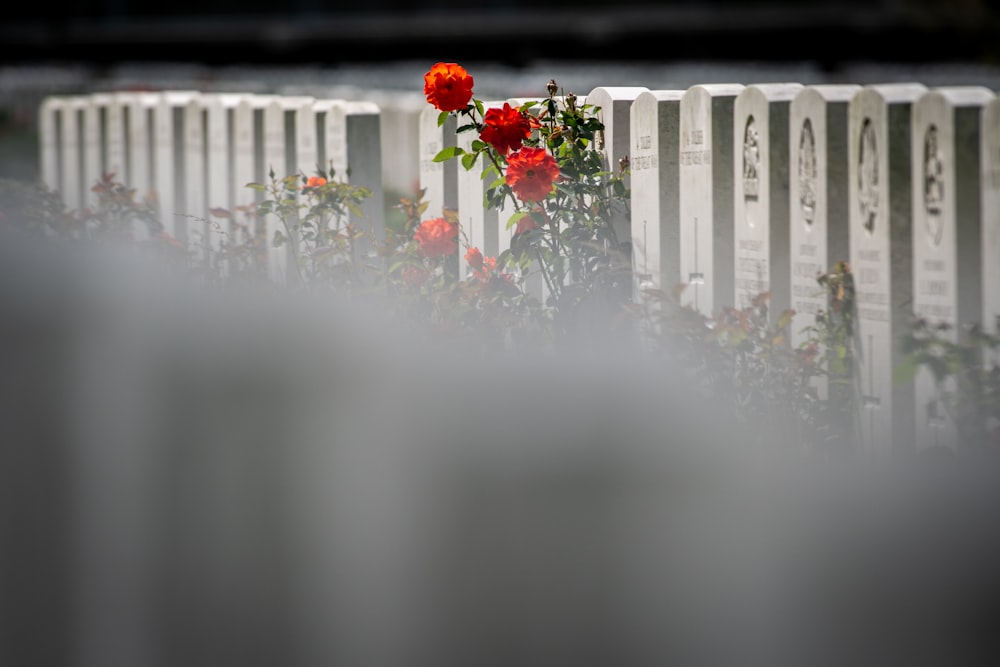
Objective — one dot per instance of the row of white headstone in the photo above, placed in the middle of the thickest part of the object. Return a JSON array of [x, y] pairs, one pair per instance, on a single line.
[[198, 151], [737, 190]]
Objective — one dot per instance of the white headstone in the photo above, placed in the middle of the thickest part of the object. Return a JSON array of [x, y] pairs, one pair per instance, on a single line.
[[168, 119], [351, 142], [479, 224], [139, 143], [49, 150], [302, 135], [399, 130], [269, 123], [880, 222], [193, 178], [131, 160], [438, 179], [760, 202], [242, 171], [71, 132], [817, 195], [94, 157], [301, 148], [221, 185], [706, 195], [245, 155], [990, 155], [116, 161], [947, 232], [615, 105], [655, 190]]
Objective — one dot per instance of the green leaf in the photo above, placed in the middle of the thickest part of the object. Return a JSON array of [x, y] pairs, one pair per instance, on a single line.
[[514, 219], [906, 370], [448, 153], [278, 240], [469, 160], [442, 117]]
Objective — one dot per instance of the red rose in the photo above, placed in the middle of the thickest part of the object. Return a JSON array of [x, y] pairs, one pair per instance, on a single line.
[[437, 237], [531, 172], [414, 276], [315, 182], [486, 270], [448, 87], [505, 128], [525, 224], [474, 257]]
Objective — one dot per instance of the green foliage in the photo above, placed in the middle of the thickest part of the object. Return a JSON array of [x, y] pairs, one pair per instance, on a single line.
[[965, 372], [586, 269]]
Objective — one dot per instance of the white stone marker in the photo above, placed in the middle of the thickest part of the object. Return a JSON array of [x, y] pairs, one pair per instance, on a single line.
[[49, 150], [94, 156], [221, 184], [195, 185], [168, 119], [947, 231], [615, 104], [817, 195], [706, 195], [116, 160], [269, 145], [399, 131], [654, 161], [71, 165], [302, 136], [245, 157], [351, 142], [479, 225], [138, 111], [990, 155], [880, 221], [301, 148], [760, 194], [438, 179], [136, 152]]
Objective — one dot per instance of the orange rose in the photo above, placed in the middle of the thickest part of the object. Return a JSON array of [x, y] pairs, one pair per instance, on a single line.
[[505, 128], [448, 87], [315, 181], [531, 172], [437, 237]]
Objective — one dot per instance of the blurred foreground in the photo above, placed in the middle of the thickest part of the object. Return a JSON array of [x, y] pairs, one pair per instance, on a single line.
[[248, 478]]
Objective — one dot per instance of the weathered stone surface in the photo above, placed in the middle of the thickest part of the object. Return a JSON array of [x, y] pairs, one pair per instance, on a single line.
[[879, 174], [760, 197], [706, 195]]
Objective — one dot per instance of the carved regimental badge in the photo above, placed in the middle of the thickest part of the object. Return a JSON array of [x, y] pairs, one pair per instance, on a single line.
[[751, 159], [868, 186], [933, 185], [807, 172]]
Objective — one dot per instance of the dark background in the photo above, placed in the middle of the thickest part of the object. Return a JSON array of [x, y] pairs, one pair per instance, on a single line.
[[511, 32]]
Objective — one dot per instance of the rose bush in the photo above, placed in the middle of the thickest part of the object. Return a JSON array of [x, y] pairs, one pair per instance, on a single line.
[[557, 193]]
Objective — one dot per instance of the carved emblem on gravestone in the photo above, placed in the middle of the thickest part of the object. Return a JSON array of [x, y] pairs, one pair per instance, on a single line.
[[751, 159], [807, 172], [933, 185], [868, 186]]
